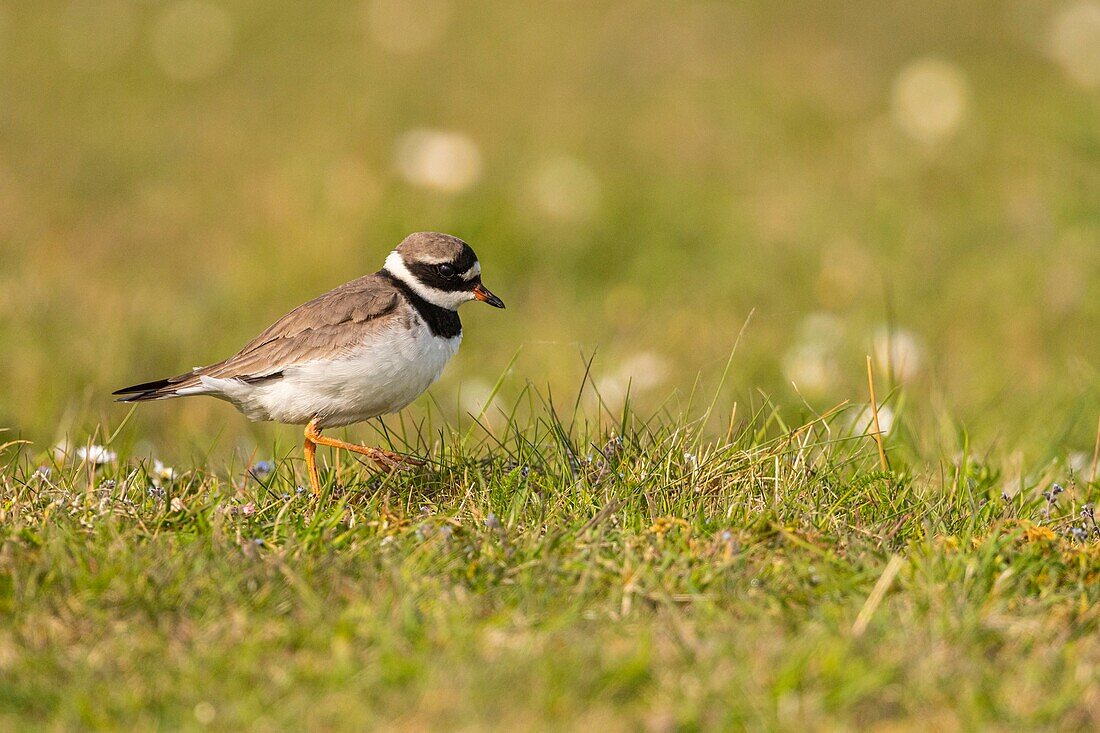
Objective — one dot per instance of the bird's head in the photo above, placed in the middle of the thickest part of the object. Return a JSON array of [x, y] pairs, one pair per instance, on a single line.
[[441, 269]]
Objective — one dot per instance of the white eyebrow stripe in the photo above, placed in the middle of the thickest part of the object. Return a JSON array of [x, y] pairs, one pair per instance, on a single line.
[[472, 272]]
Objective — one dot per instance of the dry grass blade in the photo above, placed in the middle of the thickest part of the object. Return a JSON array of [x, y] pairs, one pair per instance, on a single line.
[[874, 415], [877, 594]]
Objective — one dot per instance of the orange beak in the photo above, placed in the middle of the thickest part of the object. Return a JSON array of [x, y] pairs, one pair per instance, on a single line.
[[482, 293]]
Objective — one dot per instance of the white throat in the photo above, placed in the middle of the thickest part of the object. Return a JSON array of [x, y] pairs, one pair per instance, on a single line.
[[443, 298]]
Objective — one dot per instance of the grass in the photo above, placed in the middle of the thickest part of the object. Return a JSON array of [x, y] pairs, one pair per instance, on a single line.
[[914, 181], [738, 157], [562, 573]]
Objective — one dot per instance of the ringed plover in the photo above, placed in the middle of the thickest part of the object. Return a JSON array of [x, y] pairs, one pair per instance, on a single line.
[[365, 349]]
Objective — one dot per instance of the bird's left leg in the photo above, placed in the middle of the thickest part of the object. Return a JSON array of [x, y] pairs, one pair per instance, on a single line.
[[384, 458]]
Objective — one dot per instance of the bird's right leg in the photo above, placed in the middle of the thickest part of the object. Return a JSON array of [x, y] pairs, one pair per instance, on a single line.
[[310, 449]]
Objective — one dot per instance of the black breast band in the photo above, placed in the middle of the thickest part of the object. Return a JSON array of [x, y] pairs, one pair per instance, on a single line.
[[443, 322]]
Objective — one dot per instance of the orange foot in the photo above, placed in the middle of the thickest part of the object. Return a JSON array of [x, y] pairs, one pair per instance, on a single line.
[[385, 459]]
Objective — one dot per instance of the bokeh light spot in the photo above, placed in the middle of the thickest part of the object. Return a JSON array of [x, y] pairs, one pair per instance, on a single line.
[[438, 159], [900, 352], [930, 100], [638, 373], [565, 189], [1075, 42], [811, 363]]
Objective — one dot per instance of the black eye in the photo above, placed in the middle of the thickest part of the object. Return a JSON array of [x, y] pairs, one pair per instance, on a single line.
[[446, 270]]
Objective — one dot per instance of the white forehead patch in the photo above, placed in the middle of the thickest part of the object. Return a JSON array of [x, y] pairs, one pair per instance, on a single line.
[[473, 272]]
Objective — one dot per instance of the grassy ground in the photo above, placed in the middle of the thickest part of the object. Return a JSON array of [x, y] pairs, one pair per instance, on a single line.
[[649, 181], [560, 575]]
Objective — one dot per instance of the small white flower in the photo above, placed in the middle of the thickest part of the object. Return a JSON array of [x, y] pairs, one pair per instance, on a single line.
[[95, 454], [163, 472]]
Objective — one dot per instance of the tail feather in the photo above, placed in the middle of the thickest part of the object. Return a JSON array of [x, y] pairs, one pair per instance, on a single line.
[[158, 389], [194, 382], [189, 383]]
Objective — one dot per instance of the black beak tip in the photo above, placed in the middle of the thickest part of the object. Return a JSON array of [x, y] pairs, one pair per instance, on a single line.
[[485, 295]]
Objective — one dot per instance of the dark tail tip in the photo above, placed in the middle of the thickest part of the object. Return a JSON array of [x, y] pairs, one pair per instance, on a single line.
[[142, 397], [142, 392]]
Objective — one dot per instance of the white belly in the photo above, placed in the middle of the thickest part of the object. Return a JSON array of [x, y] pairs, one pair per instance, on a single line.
[[380, 377]]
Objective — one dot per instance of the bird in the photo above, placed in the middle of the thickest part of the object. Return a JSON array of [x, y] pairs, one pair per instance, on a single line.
[[364, 349]]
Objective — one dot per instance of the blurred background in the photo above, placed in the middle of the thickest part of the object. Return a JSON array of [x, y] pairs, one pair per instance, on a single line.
[[916, 181]]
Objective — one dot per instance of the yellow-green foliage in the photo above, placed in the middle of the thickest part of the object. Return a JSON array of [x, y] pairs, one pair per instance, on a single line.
[[649, 181]]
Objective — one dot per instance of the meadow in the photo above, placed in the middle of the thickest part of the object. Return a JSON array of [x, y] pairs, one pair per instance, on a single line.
[[654, 497]]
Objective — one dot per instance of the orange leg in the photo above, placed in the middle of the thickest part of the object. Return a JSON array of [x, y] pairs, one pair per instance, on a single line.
[[311, 465], [387, 460]]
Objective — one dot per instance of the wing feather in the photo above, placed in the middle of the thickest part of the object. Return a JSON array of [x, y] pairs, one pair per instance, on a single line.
[[327, 326], [334, 322]]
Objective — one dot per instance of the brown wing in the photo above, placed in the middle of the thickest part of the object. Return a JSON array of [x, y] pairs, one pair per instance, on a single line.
[[325, 327]]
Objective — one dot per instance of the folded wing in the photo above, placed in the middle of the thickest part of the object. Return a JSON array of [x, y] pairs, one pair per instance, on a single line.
[[326, 327]]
